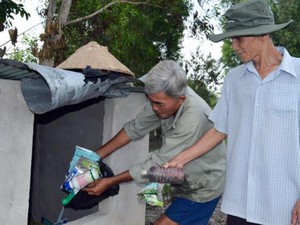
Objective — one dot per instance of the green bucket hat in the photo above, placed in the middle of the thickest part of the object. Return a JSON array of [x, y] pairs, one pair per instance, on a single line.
[[251, 18]]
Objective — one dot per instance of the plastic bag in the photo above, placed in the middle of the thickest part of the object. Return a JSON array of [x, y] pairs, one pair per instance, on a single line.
[[83, 161], [82, 200]]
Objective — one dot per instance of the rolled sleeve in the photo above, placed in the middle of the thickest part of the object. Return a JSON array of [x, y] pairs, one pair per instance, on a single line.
[[145, 122], [136, 170]]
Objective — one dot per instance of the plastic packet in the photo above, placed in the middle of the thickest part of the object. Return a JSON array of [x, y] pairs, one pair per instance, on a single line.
[[85, 164], [83, 161], [83, 152], [69, 177], [82, 166], [152, 194]]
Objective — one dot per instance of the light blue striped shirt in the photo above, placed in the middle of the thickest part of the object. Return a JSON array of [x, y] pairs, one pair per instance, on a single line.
[[262, 120]]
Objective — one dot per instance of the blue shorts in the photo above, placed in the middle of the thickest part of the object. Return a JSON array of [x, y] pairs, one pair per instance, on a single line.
[[187, 212]]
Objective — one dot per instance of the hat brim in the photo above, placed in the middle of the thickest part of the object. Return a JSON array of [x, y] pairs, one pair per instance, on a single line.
[[260, 30]]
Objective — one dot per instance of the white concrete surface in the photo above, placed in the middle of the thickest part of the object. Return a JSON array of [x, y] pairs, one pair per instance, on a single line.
[[16, 133]]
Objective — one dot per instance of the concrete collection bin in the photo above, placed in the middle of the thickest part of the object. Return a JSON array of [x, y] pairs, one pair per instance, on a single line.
[[36, 150], [45, 112]]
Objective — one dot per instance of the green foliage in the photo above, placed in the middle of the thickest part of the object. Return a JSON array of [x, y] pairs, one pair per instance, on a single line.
[[201, 25], [290, 36], [200, 88], [138, 35], [205, 73], [8, 9], [229, 58], [25, 53], [204, 76]]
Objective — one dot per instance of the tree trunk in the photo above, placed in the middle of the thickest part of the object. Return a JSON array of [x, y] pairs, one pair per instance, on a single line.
[[52, 37]]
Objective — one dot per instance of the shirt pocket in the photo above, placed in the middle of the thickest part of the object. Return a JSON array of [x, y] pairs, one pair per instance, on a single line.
[[282, 100]]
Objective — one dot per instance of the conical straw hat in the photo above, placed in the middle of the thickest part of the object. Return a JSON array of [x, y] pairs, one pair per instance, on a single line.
[[96, 56]]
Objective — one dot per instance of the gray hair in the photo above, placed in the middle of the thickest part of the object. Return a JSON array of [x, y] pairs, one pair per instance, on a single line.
[[166, 76]]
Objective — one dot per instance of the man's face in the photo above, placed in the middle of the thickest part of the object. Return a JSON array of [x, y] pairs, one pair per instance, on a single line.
[[165, 106], [247, 48]]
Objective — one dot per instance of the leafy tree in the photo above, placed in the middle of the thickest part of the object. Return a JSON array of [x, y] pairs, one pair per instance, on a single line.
[[204, 76], [139, 33], [205, 72], [24, 54], [202, 24], [290, 36]]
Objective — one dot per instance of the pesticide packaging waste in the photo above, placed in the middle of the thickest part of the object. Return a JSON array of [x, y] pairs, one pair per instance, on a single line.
[[82, 180], [69, 197], [83, 170], [164, 175], [78, 182], [152, 194]]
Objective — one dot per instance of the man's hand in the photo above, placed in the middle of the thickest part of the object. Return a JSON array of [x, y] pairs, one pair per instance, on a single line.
[[175, 162], [103, 184], [296, 214], [98, 186]]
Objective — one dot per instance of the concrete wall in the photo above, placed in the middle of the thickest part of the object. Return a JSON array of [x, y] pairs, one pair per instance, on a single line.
[[125, 208], [16, 133]]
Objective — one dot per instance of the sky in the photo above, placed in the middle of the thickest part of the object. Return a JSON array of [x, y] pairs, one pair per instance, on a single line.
[[23, 25], [190, 44]]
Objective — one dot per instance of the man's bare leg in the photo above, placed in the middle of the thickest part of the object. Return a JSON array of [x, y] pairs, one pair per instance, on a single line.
[[164, 220]]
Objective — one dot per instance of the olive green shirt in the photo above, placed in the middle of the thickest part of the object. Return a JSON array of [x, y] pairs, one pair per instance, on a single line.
[[204, 175]]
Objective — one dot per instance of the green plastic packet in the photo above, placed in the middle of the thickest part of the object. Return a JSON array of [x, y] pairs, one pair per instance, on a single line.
[[152, 194]]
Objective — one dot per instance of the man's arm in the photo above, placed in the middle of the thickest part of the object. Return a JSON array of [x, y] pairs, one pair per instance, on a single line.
[[119, 140], [103, 184], [206, 143], [296, 214]]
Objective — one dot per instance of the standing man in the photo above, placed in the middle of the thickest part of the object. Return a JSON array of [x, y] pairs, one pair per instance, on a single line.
[[259, 113], [182, 116]]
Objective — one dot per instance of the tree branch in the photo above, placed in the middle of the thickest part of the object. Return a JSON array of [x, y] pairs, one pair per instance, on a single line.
[[107, 6], [64, 11], [51, 11], [23, 32]]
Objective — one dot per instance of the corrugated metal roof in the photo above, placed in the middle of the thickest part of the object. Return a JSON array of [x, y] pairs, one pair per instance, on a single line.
[[14, 70]]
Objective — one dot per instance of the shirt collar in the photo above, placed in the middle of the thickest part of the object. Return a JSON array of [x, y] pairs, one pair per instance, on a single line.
[[286, 64]]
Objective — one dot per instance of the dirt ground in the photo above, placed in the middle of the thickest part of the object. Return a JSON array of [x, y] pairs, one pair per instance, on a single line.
[[153, 213], [218, 218]]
